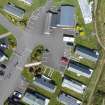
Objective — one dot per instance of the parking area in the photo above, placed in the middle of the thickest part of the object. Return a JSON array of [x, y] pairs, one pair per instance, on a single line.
[[57, 49], [53, 42]]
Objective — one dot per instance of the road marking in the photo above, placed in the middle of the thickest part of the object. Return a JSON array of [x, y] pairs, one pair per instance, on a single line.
[[19, 68]]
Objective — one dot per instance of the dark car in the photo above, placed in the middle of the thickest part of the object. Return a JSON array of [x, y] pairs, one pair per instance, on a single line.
[[2, 72], [70, 44], [13, 99], [3, 66]]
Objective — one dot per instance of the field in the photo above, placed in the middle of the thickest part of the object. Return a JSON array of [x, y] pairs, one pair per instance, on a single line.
[[99, 94]]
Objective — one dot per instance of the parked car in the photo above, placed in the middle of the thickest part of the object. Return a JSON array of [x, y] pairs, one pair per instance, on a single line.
[[3, 66], [2, 72], [64, 60], [13, 99], [69, 43], [3, 45], [17, 94]]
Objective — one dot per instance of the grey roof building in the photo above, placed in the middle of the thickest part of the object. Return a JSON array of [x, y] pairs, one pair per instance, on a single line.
[[87, 53], [63, 18], [73, 84], [68, 100], [67, 16], [79, 69], [14, 10], [45, 83], [34, 98]]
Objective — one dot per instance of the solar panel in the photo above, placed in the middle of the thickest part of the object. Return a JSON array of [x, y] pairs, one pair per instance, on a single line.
[[87, 53], [68, 100], [12, 9], [79, 67], [34, 98], [43, 81]]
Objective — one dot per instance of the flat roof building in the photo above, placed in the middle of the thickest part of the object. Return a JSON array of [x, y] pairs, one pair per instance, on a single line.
[[87, 53], [45, 83], [73, 84], [33, 98], [67, 16], [63, 18], [14, 10], [66, 99], [80, 69]]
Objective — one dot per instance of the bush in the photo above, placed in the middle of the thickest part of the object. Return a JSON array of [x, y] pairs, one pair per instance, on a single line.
[[37, 53]]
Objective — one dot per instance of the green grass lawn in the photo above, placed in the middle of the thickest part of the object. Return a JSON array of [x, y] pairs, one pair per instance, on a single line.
[[81, 79], [12, 41], [2, 30], [87, 40], [88, 63], [28, 10], [8, 52], [28, 76], [37, 53], [73, 93]]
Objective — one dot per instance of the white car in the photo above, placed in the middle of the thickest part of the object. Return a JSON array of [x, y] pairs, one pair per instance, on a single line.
[[17, 94], [68, 39], [3, 46]]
